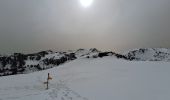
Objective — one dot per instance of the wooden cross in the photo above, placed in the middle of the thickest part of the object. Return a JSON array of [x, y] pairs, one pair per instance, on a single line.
[[47, 82]]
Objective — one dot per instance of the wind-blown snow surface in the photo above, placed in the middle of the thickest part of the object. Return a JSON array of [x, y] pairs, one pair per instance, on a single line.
[[92, 79]]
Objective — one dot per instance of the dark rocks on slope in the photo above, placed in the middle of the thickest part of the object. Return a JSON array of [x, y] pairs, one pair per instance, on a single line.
[[16, 63]]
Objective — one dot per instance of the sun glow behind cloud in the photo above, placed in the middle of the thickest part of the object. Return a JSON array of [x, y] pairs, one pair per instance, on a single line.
[[72, 24], [86, 3]]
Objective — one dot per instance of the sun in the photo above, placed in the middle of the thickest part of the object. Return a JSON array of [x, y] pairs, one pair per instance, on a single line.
[[86, 3]]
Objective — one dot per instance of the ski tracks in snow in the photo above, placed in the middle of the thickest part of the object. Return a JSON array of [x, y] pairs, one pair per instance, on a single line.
[[62, 92], [57, 91]]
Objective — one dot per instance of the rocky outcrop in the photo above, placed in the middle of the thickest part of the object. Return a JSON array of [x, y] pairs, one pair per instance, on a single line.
[[149, 54], [22, 63]]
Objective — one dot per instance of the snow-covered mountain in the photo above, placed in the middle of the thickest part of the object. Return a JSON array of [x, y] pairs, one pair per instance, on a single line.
[[149, 54], [106, 78], [93, 75], [25, 63]]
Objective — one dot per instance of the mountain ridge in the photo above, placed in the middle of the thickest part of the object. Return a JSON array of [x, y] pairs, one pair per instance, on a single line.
[[19, 63]]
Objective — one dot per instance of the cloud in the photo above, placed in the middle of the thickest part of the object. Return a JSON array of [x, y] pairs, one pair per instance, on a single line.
[[33, 25]]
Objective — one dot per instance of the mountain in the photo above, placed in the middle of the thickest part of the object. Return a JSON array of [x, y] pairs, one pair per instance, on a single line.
[[25, 63], [106, 78], [149, 54]]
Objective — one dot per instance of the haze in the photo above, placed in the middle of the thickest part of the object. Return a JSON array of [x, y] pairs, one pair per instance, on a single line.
[[117, 25]]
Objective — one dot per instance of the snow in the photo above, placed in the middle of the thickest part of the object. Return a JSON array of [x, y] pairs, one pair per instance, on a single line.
[[82, 53], [105, 78], [31, 62], [150, 54], [54, 55]]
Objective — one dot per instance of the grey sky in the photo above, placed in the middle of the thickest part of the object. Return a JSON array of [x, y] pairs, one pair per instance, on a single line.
[[34, 25]]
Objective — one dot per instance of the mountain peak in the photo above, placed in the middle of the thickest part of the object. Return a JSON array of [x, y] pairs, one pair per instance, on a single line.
[[149, 54]]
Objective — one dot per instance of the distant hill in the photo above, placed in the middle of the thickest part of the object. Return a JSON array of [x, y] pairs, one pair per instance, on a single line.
[[19, 63], [149, 54], [25, 63]]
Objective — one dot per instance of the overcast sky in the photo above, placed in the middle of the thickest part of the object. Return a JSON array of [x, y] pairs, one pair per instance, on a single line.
[[118, 25]]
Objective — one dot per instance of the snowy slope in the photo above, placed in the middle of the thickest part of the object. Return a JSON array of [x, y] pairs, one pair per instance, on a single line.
[[105, 78], [149, 54], [83, 53], [26, 63]]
